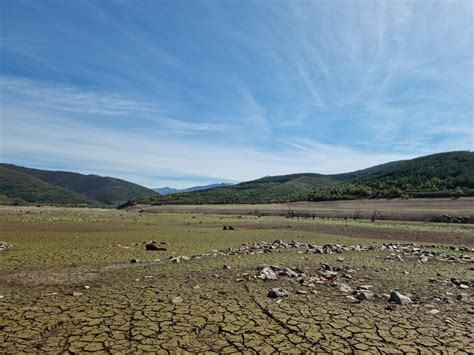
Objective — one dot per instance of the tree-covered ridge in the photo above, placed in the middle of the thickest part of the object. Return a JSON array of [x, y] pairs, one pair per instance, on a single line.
[[19, 188], [106, 190], [438, 175], [274, 189], [86, 189]]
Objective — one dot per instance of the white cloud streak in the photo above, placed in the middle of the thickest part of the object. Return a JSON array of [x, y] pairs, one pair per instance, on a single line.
[[50, 138]]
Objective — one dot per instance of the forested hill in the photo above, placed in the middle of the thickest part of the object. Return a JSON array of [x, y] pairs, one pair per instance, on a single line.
[[92, 188], [20, 188], [439, 175], [265, 190]]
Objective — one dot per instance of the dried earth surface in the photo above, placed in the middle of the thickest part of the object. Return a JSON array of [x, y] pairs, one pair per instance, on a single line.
[[416, 209], [81, 280]]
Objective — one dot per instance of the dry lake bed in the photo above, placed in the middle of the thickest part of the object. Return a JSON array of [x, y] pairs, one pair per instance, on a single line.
[[82, 280]]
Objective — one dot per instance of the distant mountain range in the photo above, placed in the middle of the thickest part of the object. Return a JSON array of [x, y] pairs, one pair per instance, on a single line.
[[438, 175], [20, 185], [169, 190]]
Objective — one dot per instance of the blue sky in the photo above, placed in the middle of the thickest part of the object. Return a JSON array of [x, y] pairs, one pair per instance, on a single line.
[[184, 93]]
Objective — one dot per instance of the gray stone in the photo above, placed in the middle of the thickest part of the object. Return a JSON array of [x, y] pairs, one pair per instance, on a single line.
[[364, 295], [398, 298], [344, 288], [327, 274]]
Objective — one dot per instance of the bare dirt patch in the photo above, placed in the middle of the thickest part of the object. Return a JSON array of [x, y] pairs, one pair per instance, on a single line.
[[398, 210]]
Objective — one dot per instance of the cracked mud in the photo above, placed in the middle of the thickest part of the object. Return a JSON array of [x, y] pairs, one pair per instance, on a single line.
[[214, 300]]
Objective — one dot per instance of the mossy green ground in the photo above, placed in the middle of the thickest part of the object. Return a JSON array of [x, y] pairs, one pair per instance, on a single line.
[[128, 307]]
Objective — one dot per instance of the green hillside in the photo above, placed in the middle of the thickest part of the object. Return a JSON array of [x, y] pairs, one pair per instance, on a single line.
[[439, 175], [19, 188], [265, 190], [106, 190]]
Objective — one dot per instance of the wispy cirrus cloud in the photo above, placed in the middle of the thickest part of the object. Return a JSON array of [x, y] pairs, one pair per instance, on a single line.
[[226, 90], [66, 142]]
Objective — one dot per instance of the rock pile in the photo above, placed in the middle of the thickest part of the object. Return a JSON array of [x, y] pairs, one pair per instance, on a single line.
[[464, 284], [271, 272], [327, 275], [401, 251]]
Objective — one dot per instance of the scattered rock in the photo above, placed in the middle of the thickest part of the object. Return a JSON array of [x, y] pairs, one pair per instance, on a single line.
[[433, 311], [226, 267], [134, 261], [277, 292]]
